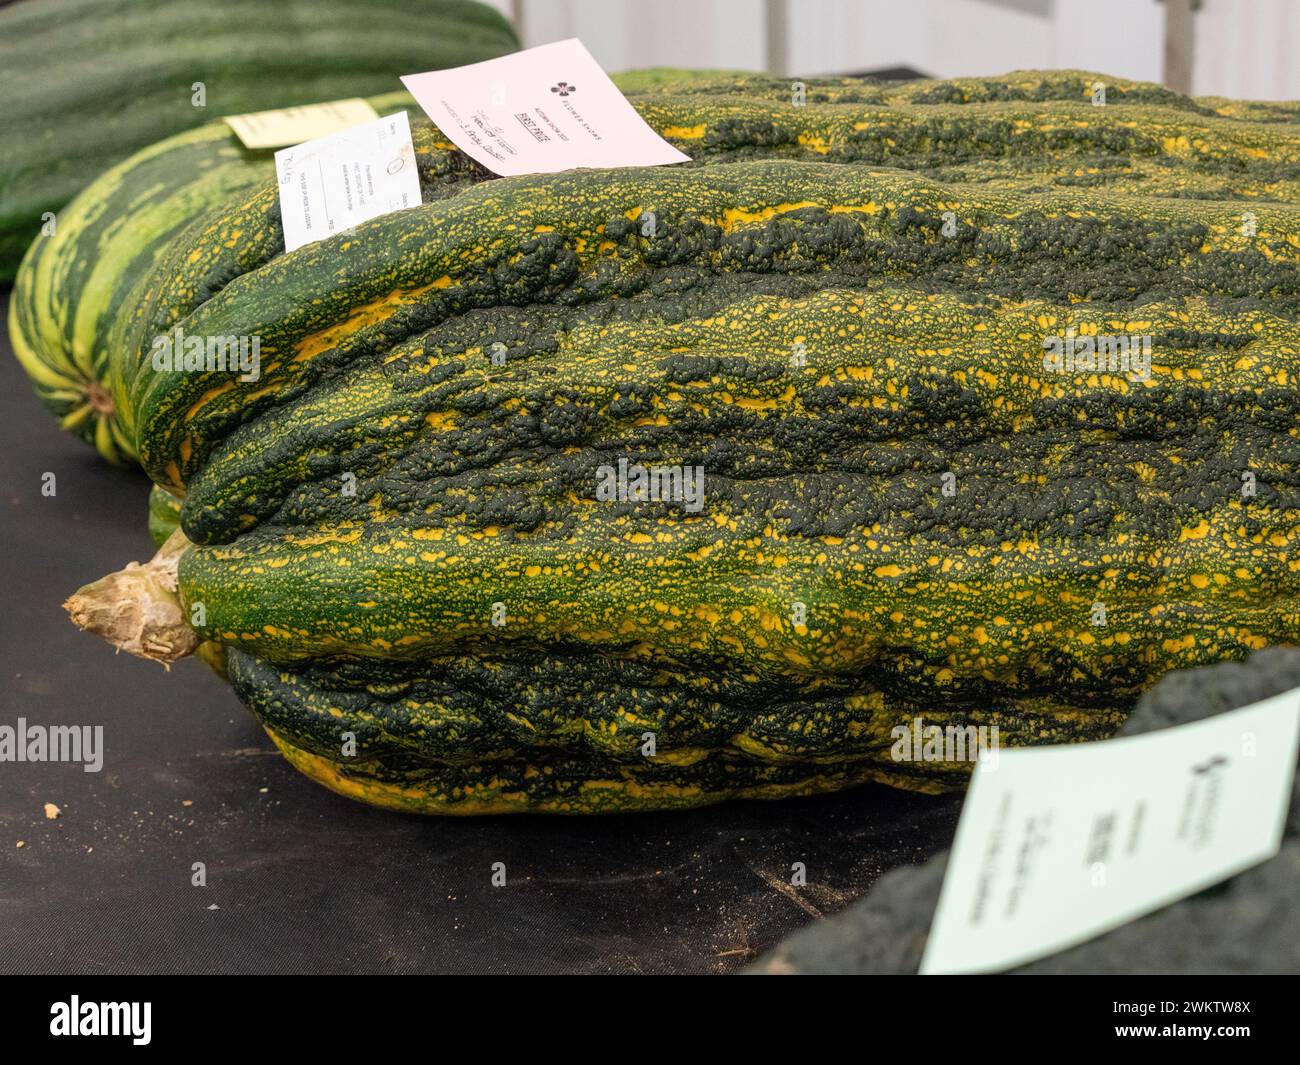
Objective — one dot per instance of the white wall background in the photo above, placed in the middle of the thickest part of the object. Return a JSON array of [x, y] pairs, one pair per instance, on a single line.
[[1244, 48], [1249, 49]]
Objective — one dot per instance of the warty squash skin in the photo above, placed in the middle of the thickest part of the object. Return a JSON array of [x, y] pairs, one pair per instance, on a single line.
[[1009, 153], [399, 539], [558, 734], [330, 304], [1030, 131]]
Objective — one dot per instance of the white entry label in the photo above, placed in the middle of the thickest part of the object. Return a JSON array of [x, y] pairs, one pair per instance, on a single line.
[[333, 183], [1059, 844], [539, 111]]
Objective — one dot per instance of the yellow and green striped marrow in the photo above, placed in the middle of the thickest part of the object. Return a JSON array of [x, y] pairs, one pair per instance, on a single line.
[[1029, 131], [118, 75], [71, 284], [371, 614]]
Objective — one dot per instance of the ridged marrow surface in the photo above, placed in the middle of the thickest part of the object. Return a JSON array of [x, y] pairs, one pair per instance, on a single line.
[[1029, 131], [398, 531]]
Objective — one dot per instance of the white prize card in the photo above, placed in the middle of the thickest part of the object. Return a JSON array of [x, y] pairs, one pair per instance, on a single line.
[[1057, 845], [539, 111], [333, 183]]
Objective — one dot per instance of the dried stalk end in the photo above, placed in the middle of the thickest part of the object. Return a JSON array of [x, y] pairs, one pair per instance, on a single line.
[[138, 609], [100, 399]]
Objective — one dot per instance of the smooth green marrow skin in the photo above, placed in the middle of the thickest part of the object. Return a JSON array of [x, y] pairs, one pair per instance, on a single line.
[[73, 283], [118, 75], [164, 515]]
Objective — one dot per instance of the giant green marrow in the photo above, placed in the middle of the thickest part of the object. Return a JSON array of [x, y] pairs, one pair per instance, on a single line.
[[399, 532]]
